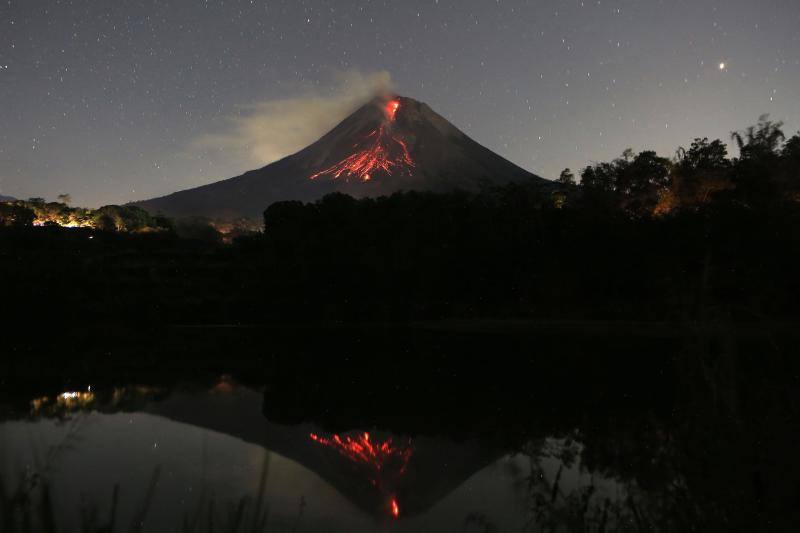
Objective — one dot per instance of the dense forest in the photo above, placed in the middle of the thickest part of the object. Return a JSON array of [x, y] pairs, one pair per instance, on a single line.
[[700, 236]]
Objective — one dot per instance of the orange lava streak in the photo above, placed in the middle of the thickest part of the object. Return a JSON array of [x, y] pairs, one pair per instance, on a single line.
[[391, 109], [385, 152], [362, 450], [385, 461]]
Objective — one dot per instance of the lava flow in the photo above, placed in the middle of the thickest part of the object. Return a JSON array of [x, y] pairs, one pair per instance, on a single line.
[[361, 449], [384, 461], [379, 151]]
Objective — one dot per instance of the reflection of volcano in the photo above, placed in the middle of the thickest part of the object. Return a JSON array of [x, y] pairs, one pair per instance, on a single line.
[[382, 463], [396, 478], [388, 145]]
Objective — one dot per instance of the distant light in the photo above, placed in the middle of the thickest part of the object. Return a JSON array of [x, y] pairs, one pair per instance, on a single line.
[[722, 66]]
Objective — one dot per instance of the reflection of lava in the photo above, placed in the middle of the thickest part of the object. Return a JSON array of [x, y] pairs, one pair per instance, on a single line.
[[384, 461], [361, 449], [379, 151]]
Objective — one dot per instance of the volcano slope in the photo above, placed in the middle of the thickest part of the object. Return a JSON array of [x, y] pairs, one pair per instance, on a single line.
[[387, 145]]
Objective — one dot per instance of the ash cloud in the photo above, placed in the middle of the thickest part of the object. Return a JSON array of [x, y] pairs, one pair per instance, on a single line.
[[267, 131]]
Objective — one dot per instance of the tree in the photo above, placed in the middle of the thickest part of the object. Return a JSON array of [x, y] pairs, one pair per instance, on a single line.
[[791, 150], [566, 177], [197, 228], [644, 173], [15, 215], [125, 218], [641, 181], [628, 154], [703, 155], [599, 177], [634, 182], [790, 165], [700, 172], [756, 174], [761, 140], [65, 199]]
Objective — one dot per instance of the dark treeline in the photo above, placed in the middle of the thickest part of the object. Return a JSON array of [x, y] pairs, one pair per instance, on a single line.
[[702, 236], [642, 237], [509, 252], [119, 219]]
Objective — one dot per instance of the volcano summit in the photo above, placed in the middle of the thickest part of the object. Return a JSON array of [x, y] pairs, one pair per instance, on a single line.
[[387, 145]]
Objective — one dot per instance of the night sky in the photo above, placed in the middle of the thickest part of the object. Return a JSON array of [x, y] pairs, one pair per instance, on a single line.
[[113, 101]]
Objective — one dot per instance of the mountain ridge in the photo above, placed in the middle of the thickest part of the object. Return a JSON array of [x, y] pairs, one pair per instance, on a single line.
[[387, 145]]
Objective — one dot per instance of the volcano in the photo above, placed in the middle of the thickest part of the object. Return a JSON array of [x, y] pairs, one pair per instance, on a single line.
[[388, 145]]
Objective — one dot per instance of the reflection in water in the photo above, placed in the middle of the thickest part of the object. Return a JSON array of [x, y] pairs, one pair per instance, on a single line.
[[63, 403], [384, 462], [166, 472], [119, 398], [360, 449], [704, 440]]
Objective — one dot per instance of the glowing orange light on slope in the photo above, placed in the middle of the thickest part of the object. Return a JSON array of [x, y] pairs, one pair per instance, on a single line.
[[391, 109], [385, 461], [386, 153], [383, 152], [361, 449]]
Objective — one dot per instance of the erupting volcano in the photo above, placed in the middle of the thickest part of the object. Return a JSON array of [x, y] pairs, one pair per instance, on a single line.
[[376, 456], [384, 462], [387, 145], [387, 476], [380, 151]]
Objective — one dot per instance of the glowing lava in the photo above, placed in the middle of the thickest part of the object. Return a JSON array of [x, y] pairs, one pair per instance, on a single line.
[[385, 462], [391, 109], [361, 449], [379, 151]]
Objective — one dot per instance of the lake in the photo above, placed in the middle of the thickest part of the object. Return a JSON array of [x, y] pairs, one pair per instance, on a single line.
[[519, 433]]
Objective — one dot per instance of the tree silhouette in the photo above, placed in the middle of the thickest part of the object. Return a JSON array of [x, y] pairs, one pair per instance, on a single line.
[[763, 139], [12, 214], [699, 172], [566, 177], [635, 180], [756, 173], [600, 177], [703, 155], [791, 149]]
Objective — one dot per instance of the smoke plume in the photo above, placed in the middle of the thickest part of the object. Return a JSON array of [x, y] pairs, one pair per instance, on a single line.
[[269, 130]]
